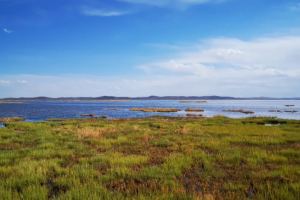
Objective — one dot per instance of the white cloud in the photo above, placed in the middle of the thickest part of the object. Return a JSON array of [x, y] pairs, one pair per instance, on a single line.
[[22, 81], [104, 13], [258, 64], [162, 45], [220, 66], [117, 88], [282, 53], [209, 81], [4, 81], [171, 3], [129, 81], [7, 31]]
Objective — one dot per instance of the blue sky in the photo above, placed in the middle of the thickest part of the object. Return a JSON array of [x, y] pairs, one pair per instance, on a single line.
[[149, 47]]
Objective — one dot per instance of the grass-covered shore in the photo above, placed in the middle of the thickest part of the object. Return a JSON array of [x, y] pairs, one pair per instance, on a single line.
[[151, 158]]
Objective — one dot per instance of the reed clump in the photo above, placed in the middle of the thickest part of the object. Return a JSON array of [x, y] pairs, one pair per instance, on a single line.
[[93, 116], [12, 119], [194, 110], [240, 111], [57, 119], [194, 115], [291, 111], [155, 109], [274, 110], [87, 115], [11, 102], [100, 117]]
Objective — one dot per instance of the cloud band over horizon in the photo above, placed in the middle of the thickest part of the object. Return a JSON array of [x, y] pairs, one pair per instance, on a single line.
[[225, 66]]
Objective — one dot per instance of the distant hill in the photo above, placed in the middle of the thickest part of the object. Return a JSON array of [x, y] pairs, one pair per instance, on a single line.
[[143, 98]]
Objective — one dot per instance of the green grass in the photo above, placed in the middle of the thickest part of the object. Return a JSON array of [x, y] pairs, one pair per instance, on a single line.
[[151, 158]]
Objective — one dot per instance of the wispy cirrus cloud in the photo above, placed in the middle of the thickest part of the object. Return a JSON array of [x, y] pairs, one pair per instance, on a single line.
[[162, 45], [22, 81], [171, 3], [7, 81], [118, 89], [8, 31], [101, 12], [295, 7], [4, 81]]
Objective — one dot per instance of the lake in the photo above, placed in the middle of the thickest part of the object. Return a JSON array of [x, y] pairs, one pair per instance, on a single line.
[[40, 110]]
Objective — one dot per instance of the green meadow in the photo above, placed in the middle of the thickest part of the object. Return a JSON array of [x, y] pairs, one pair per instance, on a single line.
[[151, 158]]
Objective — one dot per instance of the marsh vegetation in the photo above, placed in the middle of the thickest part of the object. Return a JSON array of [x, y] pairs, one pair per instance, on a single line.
[[240, 111], [11, 102], [194, 110], [155, 109], [92, 116], [194, 115], [151, 158], [116, 109], [12, 119]]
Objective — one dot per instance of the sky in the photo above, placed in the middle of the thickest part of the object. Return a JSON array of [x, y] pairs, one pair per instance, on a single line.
[[91, 48]]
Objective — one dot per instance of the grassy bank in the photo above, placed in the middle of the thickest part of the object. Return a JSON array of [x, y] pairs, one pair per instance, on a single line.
[[151, 158]]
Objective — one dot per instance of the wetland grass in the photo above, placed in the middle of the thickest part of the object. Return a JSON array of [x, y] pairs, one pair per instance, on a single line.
[[151, 158], [240, 111]]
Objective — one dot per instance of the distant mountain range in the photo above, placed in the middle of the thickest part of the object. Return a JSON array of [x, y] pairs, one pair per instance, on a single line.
[[144, 98]]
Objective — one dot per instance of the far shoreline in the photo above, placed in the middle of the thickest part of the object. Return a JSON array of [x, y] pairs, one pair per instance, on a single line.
[[112, 100]]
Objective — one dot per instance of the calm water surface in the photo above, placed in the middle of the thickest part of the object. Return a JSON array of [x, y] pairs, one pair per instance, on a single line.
[[40, 110]]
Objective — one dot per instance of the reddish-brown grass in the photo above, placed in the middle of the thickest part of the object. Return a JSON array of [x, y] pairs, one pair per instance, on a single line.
[[96, 133]]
